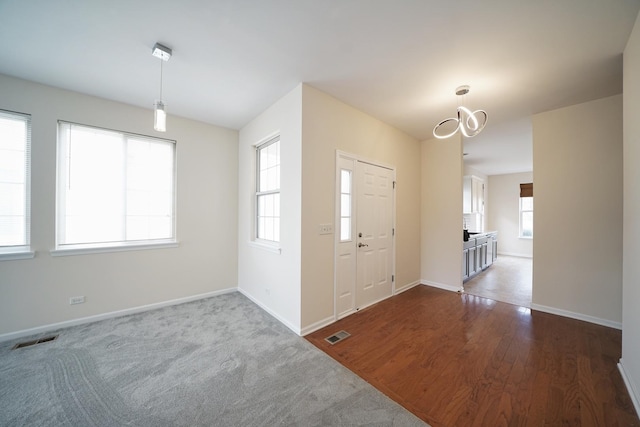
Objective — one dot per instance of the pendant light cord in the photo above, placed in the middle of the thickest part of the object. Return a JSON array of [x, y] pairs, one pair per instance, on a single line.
[[161, 61]]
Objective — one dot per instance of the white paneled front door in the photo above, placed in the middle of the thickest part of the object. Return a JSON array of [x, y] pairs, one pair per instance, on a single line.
[[364, 235], [374, 228]]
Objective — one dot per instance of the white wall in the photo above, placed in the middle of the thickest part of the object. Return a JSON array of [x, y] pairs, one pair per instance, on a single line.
[[631, 266], [577, 158], [273, 279], [441, 207], [504, 213], [330, 125], [35, 292]]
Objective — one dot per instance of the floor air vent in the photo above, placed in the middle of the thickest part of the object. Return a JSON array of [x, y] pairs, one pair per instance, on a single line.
[[338, 336], [34, 342]]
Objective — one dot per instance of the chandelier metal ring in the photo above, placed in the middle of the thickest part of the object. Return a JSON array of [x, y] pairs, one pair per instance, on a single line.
[[469, 123], [451, 119]]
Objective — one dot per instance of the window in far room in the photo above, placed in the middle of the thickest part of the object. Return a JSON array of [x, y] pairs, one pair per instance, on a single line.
[[114, 189], [268, 191], [526, 210], [15, 194]]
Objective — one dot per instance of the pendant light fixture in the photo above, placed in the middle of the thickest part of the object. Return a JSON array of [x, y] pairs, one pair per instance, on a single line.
[[160, 113], [468, 122]]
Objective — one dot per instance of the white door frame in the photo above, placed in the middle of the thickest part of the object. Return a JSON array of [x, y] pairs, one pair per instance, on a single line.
[[352, 159]]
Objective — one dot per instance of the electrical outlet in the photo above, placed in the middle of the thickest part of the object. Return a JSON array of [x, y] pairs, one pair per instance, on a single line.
[[325, 229], [76, 300]]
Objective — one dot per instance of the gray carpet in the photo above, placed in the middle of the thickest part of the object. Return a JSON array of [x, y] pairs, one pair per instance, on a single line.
[[219, 361]]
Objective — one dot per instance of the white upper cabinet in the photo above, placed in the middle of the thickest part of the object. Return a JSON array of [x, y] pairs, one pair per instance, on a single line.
[[473, 194]]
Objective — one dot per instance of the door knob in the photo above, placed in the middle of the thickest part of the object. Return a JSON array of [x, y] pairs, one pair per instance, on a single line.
[[360, 245]]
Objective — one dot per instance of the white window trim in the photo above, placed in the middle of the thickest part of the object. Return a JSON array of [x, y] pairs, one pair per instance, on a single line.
[[115, 247], [120, 246], [520, 236], [18, 252], [13, 253], [268, 245]]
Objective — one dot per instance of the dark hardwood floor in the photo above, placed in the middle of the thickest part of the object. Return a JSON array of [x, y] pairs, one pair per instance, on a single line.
[[462, 360]]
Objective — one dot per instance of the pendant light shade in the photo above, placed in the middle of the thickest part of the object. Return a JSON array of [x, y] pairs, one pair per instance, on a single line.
[[160, 117], [160, 112]]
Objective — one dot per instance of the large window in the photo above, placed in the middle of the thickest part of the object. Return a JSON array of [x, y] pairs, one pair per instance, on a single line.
[[114, 189], [268, 190], [15, 148]]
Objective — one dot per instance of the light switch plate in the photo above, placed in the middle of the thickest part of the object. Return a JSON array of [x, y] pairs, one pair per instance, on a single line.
[[325, 229]]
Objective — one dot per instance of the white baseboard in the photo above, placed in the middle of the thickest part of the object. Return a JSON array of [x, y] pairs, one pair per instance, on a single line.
[[578, 316], [347, 313], [634, 392], [110, 315], [317, 325], [515, 254], [442, 286], [280, 319], [407, 287], [329, 320]]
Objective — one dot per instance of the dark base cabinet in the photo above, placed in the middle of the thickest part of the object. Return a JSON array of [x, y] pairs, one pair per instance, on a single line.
[[479, 253]]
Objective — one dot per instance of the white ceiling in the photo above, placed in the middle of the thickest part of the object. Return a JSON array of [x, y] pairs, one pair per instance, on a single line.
[[399, 60]]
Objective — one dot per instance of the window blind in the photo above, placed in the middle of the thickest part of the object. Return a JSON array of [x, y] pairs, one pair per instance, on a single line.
[[526, 190], [114, 188], [15, 177]]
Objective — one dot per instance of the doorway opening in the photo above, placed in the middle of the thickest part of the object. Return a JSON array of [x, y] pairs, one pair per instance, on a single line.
[[508, 208], [507, 280]]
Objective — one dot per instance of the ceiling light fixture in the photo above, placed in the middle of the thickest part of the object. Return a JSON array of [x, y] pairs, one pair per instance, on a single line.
[[468, 122], [160, 112]]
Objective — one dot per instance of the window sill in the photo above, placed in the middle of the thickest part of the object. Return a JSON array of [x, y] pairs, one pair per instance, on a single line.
[[90, 249], [525, 238], [16, 255], [266, 246]]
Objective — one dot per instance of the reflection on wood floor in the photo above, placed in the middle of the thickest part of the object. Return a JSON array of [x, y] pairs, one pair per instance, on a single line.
[[509, 280], [462, 360]]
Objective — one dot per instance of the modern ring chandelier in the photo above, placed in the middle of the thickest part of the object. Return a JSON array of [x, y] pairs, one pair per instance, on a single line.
[[468, 122]]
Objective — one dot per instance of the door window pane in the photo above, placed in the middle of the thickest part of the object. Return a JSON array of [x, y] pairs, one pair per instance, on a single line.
[[345, 205]]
